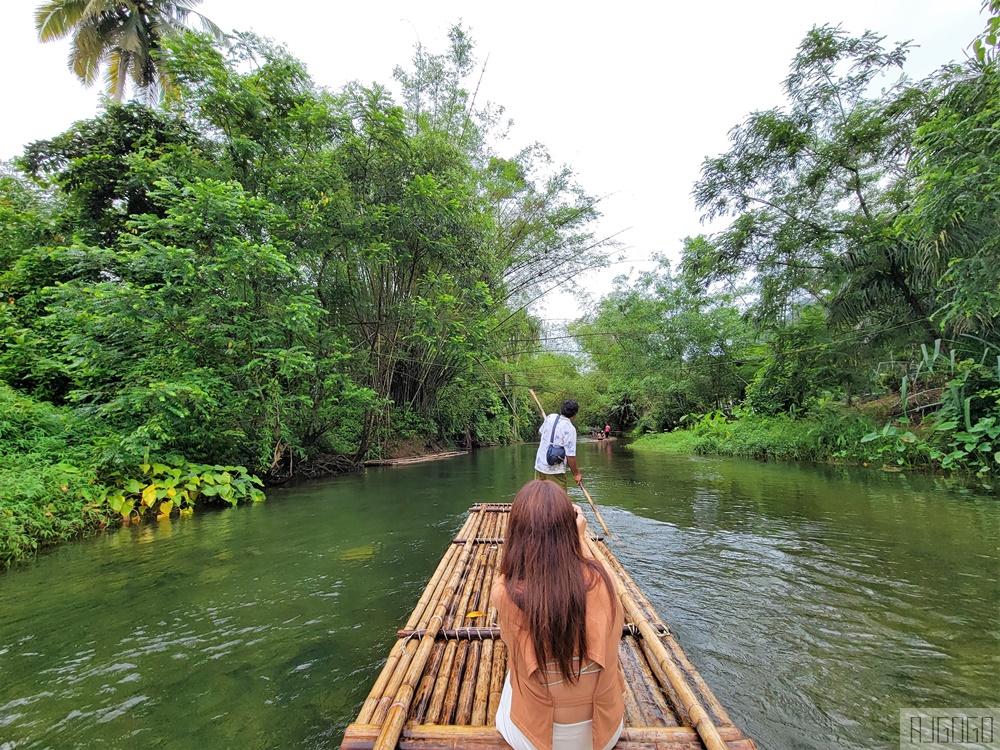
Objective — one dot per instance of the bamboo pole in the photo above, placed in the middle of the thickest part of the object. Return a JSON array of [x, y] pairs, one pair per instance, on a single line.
[[631, 646], [497, 677], [425, 690], [711, 702], [468, 652], [395, 679], [648, 709], [441, 684], [540, 407], [489, 525], [633, 714], [700, 718], [395, 654], [596, 511], [481, 695], [389, 735]]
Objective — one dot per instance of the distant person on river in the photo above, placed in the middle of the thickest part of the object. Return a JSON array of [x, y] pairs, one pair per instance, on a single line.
[[561, 622], [607, 431], [557, 431]]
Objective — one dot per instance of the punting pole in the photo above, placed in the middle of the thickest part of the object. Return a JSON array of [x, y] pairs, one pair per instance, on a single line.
[[585, 493], [701, 719], [596, 511]]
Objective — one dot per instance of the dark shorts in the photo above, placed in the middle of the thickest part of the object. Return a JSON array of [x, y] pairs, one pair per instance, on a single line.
[[559, 478]]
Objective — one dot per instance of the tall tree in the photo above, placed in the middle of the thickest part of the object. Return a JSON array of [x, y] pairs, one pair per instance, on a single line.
[[815, 187], [123, 34]]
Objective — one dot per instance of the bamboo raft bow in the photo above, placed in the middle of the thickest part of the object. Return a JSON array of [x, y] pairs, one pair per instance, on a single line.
[[440, 686]]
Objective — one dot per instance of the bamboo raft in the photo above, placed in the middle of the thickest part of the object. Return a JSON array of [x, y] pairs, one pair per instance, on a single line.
[[414, 459], [440, 686]]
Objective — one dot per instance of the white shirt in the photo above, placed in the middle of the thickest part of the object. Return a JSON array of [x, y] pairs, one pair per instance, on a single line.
[[565, 436]]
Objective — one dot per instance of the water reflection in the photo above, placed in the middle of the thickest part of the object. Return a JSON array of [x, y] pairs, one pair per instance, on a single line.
[[815, 601]]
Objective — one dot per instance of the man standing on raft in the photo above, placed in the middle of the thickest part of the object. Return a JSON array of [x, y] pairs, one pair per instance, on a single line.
[[557, 448]]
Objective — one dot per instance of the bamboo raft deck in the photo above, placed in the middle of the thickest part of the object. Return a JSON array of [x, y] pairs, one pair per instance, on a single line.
[[440, 686]]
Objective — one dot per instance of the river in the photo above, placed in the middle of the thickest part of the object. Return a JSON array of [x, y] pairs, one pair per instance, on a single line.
[[816, 601]]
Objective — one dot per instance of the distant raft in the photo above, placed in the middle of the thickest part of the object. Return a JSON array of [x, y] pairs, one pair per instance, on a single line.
[[440, 686]]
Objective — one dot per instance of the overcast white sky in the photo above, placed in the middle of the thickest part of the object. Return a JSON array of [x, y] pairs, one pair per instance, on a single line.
[[633, 95]]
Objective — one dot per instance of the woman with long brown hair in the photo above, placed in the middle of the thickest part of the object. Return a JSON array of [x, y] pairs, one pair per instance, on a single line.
[[561, 622]]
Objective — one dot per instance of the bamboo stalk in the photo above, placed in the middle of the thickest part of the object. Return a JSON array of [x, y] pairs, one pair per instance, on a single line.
[[663, 709], [497, 676], [467, 694], [450, 703], [633, 715], [700, 718], [472, 702], [540, 407], [395, 654], [467, 689], [426, 688], [441, 684], [389, 735], [384, 702], [707, 695], [436, 708], [481, 695], [597, 513], [647, 709]]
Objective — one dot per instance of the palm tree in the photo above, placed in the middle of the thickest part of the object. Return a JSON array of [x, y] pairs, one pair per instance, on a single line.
[[125, 34]]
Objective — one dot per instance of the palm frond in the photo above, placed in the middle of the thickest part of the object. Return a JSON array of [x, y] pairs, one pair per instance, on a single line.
[[56, 18], [119, 63], [87, 52]]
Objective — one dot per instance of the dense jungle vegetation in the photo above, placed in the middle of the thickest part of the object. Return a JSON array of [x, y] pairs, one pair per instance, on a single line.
[[260, 278], [255, 278], [849, 310]]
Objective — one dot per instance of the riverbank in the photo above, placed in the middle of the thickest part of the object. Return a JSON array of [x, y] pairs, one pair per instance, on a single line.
[[64, 476], [838, 437]]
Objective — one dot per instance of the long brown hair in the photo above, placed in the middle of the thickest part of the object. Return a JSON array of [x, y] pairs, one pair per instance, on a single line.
[[547, 576]]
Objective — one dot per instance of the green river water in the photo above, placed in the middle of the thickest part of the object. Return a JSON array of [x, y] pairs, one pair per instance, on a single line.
[[816, 601]]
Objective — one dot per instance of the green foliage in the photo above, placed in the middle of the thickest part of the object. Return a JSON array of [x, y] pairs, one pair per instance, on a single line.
[[804, 359], [665, 349], [825, 434], [814, 189], [162, 487], [678, 441], [862, 251], [49, 487], [57, 482], [263, 272]]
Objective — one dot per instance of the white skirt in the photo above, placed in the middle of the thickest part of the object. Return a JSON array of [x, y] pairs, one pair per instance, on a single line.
[[578, 736]]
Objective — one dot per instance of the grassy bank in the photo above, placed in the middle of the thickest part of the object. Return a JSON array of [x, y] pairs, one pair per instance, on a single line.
[[842, 437], [49, 489], [836, 437]]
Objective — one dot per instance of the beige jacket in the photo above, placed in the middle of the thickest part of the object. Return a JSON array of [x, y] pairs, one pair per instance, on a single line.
[[533, 703]]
